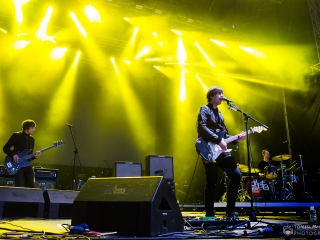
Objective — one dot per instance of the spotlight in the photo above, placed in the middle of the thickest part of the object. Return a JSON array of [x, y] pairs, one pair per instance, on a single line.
[[92, 14], [57, 53], [20, 44], [78, 24]]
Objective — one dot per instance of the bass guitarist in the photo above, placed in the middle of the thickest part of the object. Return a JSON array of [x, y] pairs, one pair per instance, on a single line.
[[20, 141], [210, 123]]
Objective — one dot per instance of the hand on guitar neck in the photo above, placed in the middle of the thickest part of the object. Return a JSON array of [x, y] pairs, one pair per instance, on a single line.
[[223, 145]]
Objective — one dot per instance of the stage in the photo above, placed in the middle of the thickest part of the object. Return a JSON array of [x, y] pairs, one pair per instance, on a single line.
[[196, 226]]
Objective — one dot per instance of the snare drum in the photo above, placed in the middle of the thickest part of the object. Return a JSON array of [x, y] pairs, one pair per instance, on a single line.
[[270, 172]]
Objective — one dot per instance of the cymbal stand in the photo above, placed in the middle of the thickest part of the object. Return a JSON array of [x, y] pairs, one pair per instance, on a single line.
[[285, 192], [304, 194]]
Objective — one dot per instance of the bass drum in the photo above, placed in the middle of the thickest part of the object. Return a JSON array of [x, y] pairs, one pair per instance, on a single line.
[[259, 189]]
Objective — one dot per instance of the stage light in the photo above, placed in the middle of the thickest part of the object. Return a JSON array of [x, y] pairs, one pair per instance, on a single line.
[[181, 52], [144, 51], [253, 52], [76, 60], [92, 14], [212, 64], [177, 32], [202, 84], [153, 59], [126, 19], [20, 44], [221, 44], [41, 33], [78, 24], [182, 86], [155, 34], [18, 7], [114, 65], [157, 67], [58, 53], [4, 31], [134, 35], [127, 62]]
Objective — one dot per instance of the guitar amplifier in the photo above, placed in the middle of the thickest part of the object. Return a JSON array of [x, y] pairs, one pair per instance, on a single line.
[[5, 178], [157, 165], [46, 178], [127, 169]]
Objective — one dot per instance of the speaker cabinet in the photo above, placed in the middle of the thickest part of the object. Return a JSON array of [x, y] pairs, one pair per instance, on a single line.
[[58, 203], [142, 206], [16, 202], [127, 169], [157, 165], [45, 184]]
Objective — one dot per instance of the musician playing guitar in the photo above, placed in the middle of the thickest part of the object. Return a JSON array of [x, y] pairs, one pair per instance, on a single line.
[[20, 141], [210, 123]]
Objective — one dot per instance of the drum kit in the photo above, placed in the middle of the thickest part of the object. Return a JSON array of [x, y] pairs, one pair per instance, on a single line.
[[274, 184]]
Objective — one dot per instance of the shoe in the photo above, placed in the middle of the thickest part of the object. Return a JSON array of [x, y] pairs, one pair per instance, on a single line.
[[231, 217]]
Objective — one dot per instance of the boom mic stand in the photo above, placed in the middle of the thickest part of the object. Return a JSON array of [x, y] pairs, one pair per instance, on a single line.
[[75, 154], [247, 117]]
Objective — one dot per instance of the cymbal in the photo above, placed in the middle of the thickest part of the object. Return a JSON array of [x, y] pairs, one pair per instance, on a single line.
[[281, 157], [244, 169]]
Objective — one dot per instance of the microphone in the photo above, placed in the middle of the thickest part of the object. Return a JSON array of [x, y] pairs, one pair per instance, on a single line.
[[226, 99], [68, 125], [159, 171]]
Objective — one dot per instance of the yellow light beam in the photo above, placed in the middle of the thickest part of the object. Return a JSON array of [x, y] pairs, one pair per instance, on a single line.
[[177, 32], [76, 60], [61, 104], [41, 33], [92, 13], [20, 44], [182, 86], [57, 53], [18, 9], [3, 30], [181, 52], [144, 51], [135, 32], [202, 84], [221, 44], [253, 52], [114, 65], [78, 24], [212, 64]]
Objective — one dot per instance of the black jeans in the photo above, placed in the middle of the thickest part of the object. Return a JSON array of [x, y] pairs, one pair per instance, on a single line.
[[227, 163], [24, 177]]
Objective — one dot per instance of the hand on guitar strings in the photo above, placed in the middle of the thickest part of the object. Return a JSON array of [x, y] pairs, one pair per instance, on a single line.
[[241, 136]]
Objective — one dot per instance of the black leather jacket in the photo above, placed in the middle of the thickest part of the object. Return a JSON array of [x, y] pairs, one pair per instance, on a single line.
[[209, 125]]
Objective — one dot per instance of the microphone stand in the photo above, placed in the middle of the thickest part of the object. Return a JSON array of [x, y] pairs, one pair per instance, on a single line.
[[252, 216], [75, 154]]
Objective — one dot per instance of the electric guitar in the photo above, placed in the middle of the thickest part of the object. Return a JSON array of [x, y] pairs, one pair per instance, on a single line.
[[210, 151], [12, 167]]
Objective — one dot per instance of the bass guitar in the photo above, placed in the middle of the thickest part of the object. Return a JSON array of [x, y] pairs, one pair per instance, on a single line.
[[12, 167], [210, 151]]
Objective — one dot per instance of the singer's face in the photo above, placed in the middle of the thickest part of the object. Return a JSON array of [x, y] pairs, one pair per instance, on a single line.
[[30, 130], [217, 99]]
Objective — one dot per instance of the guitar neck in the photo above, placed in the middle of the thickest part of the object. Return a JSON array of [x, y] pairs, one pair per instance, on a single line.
[[33, 154], [233, 138]]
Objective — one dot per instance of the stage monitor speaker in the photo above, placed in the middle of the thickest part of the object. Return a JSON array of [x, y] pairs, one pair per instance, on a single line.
[[141, 206], [127, 169], [58, 203], [17, 202], [157, 165]]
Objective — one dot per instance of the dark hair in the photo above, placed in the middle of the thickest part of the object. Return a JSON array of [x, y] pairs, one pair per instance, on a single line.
[[264, 151], [212, 91], [26, 124]]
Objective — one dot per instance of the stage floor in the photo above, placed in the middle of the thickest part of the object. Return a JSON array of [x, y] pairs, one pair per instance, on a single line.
[[269, 227]]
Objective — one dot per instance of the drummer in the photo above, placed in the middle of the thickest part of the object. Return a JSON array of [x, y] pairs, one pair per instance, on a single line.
[[265, 162]]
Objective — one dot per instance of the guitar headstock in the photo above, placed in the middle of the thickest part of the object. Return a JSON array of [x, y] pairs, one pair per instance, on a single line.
[[58, 143], [259, 129]]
